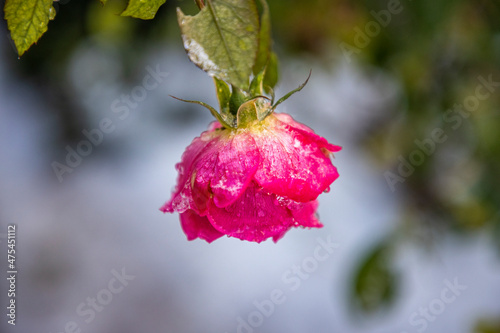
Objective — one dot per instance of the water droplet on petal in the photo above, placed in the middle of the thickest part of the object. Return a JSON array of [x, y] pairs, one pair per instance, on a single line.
[[261, 213], [327, 189]]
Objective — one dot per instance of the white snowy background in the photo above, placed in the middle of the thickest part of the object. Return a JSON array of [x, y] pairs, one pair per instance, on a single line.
[[104, 216]]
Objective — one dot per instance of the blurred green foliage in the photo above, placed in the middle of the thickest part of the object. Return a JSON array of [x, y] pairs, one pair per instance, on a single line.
[[374, 282], [485, 326], [437, 50]]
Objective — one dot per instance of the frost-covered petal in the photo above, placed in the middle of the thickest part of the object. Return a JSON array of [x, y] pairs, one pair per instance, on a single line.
[[237, 162], [213, 126], [224, 169], [255, 216], [293, 163], [304, 213], [202, 174], [286, 118], [217, 164], [182, 197], [307, 132], [196, 226]]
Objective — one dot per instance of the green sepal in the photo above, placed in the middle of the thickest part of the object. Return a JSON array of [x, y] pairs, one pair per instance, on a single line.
[[223, 94], [272, 73], [270, 91], [255, 109], [212, 111], [257, 84], [265, 40], [263, 105], [224, 97], [264, 81], [238, 97], [284, 98], [229, 119], [247, 114]]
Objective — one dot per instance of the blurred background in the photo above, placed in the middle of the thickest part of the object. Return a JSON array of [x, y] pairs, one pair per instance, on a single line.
[[409, 89]]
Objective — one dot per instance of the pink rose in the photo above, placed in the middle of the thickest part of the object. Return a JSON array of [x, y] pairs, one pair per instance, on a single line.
[[252, 182]]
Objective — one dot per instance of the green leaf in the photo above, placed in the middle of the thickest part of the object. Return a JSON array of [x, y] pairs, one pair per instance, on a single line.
[[284, 98], [264, 39], [103, 2], [142, 9], [27, 21], [222, 39]]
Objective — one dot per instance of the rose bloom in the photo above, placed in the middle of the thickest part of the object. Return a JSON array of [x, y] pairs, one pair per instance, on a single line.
[[253, 182]]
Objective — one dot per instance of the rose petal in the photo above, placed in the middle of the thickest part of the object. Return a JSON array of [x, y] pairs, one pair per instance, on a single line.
[[213, 126], [236, 165], [196, 226], [307, 132], [224, 169], [293, 164], [255, 216], [287, 119], [219, 164], [182, 197], [304, 213], [203, 172]]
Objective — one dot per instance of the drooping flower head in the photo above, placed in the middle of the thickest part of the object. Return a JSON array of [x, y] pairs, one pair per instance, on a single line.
[[254, 174], [254, 180]]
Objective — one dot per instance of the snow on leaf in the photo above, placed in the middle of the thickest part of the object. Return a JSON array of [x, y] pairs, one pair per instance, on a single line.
[[222, 39]]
